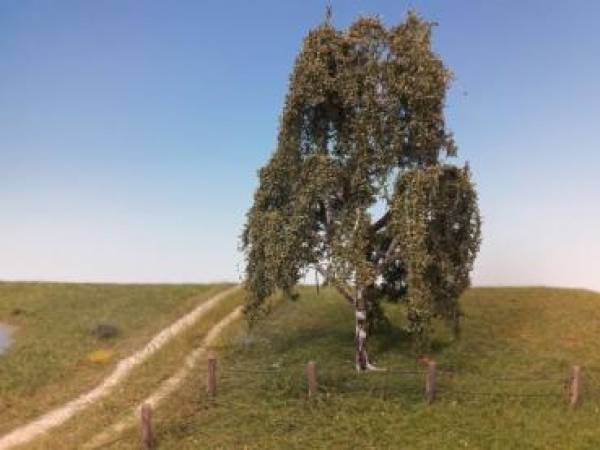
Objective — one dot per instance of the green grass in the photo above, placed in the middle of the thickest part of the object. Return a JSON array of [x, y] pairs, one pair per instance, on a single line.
[[517, 343], [143, 381], [48, 363]]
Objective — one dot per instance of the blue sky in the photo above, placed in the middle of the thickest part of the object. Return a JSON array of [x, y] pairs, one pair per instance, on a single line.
[[131, 132]]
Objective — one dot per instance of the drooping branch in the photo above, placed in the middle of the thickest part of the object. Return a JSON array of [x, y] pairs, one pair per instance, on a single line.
[[339, 285]]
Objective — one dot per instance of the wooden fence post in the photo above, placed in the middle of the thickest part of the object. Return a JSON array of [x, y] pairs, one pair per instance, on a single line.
[[575, 387], [311, 377], [430, 382], [211, 376], [148, 442]]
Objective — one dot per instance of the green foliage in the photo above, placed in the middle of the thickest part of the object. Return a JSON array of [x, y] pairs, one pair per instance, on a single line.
[[435, 214], [363, 124]]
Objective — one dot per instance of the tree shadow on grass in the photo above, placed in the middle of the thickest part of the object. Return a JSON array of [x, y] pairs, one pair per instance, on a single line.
[[324, 332], [397, 340], [391, 338]]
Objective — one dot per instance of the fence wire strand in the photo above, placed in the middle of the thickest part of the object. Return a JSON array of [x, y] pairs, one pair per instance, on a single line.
[[356, 384]]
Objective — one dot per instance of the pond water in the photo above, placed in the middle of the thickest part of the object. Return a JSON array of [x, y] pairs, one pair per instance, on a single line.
[[5, 340]]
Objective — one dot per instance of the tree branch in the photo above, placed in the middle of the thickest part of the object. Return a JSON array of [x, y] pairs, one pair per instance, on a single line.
[[328, 213], [337, 284], [382, 222], [358, 217], [389, 254]]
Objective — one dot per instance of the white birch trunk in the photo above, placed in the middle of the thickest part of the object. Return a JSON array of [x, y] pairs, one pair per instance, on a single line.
[[360, 339]]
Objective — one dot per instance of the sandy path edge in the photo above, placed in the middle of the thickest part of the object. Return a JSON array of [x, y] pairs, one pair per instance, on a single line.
[[166, 388], [58, 416]]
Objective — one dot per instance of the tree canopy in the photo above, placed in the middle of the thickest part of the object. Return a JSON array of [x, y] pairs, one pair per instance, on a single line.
[[360, 186]]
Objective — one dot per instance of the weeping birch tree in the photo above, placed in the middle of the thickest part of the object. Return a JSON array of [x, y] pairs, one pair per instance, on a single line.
[[361, 187]]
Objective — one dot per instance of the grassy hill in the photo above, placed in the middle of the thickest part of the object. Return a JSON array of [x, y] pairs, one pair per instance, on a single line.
[[502, 385], [51, 358], [503, 388]]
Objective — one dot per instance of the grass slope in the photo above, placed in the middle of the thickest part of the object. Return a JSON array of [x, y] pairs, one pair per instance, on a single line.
[[515, 341], [48, 363], [144, 380]]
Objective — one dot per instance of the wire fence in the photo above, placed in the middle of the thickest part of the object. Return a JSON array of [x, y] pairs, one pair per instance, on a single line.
[[453, 383], [316, 384]]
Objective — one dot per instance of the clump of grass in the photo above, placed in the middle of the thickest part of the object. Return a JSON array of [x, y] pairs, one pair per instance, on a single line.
[[100, 356]]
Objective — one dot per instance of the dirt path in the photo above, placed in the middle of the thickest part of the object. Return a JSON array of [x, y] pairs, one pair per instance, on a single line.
[[167, 387], [61, 414]]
